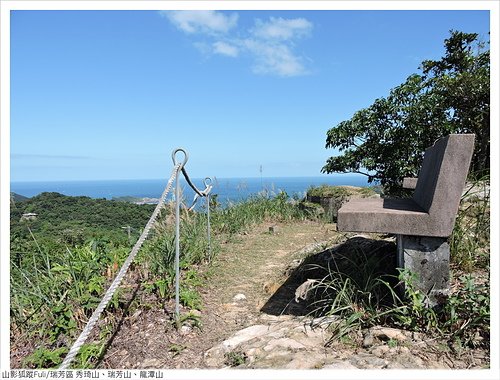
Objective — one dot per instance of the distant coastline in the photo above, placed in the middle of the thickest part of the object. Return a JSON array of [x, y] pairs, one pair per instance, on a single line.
[[148, 191]]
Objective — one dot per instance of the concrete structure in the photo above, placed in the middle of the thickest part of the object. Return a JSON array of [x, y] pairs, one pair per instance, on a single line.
[[29, 216], [424, 221]]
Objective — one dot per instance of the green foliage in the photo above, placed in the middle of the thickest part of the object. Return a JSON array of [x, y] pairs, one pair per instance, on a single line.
[[63, 321], [235, 358], [386, 141], [176, 349], [45, 358], [239, 217], [414, 313], [88, 355], [464, 318], [190, 298], [64, 220], [17, 197], [193, 319], [60, 265], [339, 191], [356, 290], [470, 240], [327, 191]]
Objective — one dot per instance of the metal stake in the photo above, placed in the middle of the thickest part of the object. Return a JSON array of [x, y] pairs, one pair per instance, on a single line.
[[177, 245], [208, 182], [177, 232]]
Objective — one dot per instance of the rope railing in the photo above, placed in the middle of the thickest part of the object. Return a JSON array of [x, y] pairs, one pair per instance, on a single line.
[[178, 167]]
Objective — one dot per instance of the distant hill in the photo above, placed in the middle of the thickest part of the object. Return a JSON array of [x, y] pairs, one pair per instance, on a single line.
[[59, 214], [18, 197]]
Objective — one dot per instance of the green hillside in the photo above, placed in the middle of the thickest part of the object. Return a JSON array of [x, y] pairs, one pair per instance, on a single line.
[[76, 220]]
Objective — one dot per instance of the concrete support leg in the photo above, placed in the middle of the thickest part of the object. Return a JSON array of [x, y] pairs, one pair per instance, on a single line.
[[429, 259]]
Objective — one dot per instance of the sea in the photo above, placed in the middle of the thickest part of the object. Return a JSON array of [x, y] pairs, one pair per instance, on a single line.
[[228, 190]]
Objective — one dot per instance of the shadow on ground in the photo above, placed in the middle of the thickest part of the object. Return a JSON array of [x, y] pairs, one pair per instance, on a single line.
[[357, 256]]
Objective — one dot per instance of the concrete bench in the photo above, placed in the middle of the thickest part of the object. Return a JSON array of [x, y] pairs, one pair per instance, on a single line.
[[424, 222]]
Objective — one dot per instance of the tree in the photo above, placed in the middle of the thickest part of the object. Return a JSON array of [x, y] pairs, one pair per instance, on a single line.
[[386, 141]]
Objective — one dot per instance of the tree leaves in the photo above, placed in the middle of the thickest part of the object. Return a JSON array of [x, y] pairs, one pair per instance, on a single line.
[[386, 141]]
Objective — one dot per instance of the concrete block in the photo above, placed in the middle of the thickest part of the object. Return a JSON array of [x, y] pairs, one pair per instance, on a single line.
[[429, 259]]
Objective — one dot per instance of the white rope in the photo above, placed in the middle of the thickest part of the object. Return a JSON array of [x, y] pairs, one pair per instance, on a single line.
[[111, 290]]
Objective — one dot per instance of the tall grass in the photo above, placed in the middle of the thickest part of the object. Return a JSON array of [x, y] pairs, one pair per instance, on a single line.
[[470, 240], [159, 253], [359, 295], [53, 295]]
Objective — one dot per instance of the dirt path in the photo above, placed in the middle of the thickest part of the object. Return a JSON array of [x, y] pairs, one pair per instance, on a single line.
[[241, 282]]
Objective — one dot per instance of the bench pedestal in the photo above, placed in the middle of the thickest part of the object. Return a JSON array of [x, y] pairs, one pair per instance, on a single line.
[[429, 259]]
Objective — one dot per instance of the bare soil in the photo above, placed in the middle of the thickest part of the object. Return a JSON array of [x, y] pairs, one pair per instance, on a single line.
[[254, 265]]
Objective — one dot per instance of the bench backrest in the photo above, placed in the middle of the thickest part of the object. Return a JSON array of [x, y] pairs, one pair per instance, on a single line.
[[443, 174]]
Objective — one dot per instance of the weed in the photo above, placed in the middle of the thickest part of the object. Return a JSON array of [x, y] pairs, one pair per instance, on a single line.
[[88, 354], [45, 358], [469, 242], [193, 319], [368, 298], [392, 343], [235, 358], [65, 278], [176, 349], [190, 298]]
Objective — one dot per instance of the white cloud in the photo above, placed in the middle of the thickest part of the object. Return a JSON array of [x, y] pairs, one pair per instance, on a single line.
[[269, 42], [224, 48], [275, 59], [281, 29], [211, 22]]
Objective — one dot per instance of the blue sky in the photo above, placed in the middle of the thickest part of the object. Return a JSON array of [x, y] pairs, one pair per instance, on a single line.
[[110, 94]]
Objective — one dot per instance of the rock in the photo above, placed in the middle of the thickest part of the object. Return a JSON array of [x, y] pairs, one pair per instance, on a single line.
[[331, 198], [381, 350], [245, 335], [305, 360], [150, 363], [302, 291], [195, 313], [386, 333], [367, 361], [271, 287], [368, 340], [285, 343], [239, 297], [214, 357], [133, 318], [339, 364], [185, 330], [275, 318]]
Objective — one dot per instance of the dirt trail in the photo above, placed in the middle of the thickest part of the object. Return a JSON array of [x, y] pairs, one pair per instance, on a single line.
[[251, 268]]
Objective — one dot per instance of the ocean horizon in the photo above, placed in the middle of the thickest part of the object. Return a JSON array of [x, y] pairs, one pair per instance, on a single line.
[[227, 189]]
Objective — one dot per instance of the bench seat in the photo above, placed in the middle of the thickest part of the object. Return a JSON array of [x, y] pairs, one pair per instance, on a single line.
[[388, 215], [432, 210]]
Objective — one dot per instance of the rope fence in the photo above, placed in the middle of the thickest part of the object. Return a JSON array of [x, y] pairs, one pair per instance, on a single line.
[[178, 167]]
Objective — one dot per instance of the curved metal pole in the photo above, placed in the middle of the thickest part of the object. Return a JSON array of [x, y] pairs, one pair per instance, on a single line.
[[177, 229]]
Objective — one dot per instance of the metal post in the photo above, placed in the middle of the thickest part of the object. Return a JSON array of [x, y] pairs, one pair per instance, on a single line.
[[177, 232], [208, 229], [208, 182], [177, 245]]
